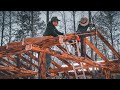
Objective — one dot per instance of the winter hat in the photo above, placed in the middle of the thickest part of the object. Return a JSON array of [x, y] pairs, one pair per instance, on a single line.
[[84, 21]]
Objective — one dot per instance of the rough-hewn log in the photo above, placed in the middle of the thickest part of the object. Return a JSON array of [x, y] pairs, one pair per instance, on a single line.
[[14, 69], [43, 65], [68, 57], [2, 48], [7, 62], [62, 48], [41, 41], [55, 70], [5, 54], [96, 50], [31, 56], [55, 64], [28, 61]]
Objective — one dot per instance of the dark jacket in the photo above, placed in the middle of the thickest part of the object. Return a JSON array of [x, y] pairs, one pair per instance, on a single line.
[[51, 30], [82, 29]]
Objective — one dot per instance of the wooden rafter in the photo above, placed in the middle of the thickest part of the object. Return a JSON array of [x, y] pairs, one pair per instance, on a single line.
[[14, 69], [67, 56], [41, 45]]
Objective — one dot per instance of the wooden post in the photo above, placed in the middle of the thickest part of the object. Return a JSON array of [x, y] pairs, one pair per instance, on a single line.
[[42, 65]]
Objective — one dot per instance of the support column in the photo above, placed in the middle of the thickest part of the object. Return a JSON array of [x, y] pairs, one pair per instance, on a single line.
[[42, 65]]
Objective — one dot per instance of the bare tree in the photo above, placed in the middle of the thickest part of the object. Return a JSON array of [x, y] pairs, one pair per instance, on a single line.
[[109, 21], [10, 27], [3, 25], [47, 16]]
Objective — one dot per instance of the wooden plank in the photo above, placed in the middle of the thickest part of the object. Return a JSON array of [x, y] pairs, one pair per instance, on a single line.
[[16, 76], [96, 50], [108, 44], [14, 69]]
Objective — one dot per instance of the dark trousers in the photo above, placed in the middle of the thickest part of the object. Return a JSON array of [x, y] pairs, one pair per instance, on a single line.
[[48, 61], [83, 49]]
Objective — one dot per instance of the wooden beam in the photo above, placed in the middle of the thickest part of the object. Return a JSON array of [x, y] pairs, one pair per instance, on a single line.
[[96, 50], [67, 56], [7, 62], [28, 61], [11, 58], [65, 51], [5, 54], [43, 66], [55, 70], [14, 69], [55, 64], [2, 74], [66, 62], [2, 48], [108, 44], [21, 63], [31, 56], [62, 48], [16, 76], [18, 47]]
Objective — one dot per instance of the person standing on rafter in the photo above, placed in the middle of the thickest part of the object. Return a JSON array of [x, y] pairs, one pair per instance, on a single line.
[[51, 30], [82, 27]]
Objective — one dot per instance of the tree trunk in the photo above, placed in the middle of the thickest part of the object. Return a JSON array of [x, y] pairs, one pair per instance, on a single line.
[[47, 17], [10, 27], [64, 21], [89, 13], [74, 21], [111, 32], [32, 30], [3, 26]]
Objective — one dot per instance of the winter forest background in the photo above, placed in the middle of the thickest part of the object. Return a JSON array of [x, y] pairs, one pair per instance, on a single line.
[[16, 25]]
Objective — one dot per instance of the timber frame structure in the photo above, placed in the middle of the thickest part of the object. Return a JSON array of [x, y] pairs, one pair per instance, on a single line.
[[17, 60]]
